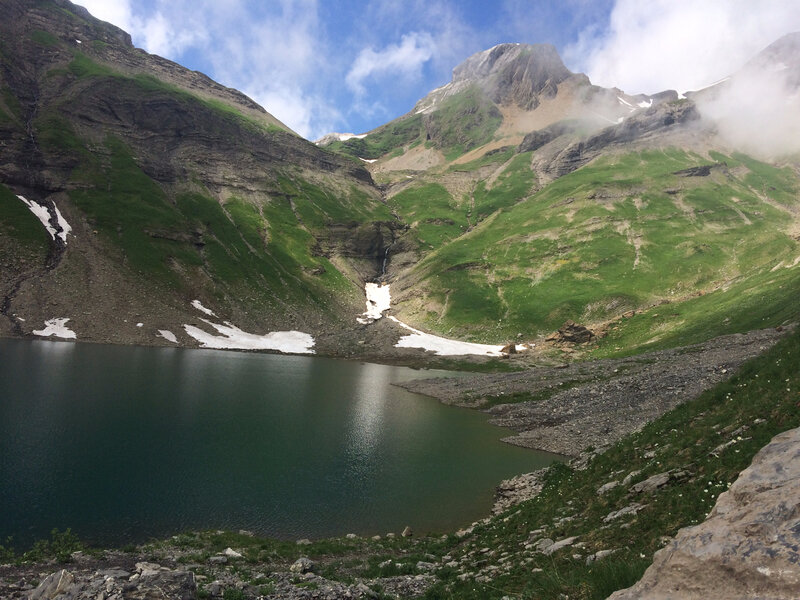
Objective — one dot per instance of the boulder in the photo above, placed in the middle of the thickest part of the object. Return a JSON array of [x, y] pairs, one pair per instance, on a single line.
[[605, 488], [573, 333], [748, 546], [651, 484], [559, 545], [302, 565], [58, 584]]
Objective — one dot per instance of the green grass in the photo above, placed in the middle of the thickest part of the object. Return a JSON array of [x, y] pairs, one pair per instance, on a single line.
[[569, 251], [463, 121], [433, 213], [44, 38], [385, 139], [18, 223], [762, 398], [262, 251]]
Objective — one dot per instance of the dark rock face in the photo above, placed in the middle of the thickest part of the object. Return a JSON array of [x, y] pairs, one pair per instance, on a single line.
[[653, 121], [572, 333], [537, 139], [372, 245]]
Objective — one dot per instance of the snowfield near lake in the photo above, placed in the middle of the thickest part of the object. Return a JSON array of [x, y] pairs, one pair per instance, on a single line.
[[233, 338], [442, 346], [168, 335], [56, 328], [379, 299]]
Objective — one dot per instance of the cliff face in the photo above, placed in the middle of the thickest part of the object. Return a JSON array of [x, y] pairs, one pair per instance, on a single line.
[[175, 187], [58, 63]]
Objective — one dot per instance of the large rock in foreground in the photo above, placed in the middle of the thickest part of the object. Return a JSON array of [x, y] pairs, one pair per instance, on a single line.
[[749, 547]]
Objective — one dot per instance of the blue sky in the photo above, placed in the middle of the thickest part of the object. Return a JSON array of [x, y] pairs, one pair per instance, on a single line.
[[349, 66]]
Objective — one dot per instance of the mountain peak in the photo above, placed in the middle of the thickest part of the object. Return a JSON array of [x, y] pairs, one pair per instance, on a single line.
[[540, 58], [515, 73], [508, 74]]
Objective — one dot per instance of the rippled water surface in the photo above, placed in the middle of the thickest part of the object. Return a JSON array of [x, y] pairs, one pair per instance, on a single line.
[[125, 443]]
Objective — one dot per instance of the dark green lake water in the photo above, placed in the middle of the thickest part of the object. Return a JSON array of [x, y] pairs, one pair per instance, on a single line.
[[124, 443]]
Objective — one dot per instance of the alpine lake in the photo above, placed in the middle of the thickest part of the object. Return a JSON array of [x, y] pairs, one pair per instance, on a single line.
[[124, 444]]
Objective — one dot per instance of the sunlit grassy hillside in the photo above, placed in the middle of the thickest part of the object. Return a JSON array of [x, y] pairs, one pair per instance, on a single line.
[[629, 232]]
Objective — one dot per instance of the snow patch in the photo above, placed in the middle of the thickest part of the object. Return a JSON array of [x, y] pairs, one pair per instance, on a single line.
[[647, 104], [199, 306], [233, 338], [442, 346], [57, 328], [379, 299], [43, 215], [625, 102], [140, 324], [62, 223], [168, 335], [78, 42], [343, 137], [368, 160]]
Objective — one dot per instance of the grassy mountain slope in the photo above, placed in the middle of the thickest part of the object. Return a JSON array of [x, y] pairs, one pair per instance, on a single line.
[[176, 188], [624, 233]]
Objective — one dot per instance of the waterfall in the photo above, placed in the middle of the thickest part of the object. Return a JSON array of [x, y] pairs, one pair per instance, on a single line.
[[385, 258]]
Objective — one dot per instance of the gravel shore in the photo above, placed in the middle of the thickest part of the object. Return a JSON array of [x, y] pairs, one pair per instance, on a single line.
[[568, 408]]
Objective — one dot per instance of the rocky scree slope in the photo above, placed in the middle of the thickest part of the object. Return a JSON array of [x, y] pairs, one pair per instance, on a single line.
[[175, 188]]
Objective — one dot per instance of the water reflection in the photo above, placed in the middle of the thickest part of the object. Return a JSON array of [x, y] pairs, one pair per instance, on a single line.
[[369, 406], [127, 443]]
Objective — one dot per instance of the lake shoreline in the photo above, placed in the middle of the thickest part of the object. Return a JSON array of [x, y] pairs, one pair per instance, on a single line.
[[573, 407]]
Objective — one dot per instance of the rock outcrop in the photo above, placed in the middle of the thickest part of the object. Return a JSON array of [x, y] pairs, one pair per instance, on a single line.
[[749, 547]]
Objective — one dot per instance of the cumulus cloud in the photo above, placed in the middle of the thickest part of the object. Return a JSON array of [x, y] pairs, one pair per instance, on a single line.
[[404, 59], [678, 44], [758, 110], [154, 31]]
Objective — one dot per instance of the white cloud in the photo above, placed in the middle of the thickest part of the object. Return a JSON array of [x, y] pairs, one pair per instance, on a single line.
[[405, 59], [678, 44], [117, 12], [149, 27], [757, 111], [275, 52]]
